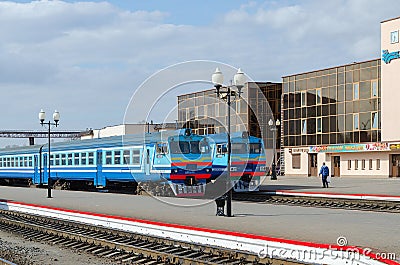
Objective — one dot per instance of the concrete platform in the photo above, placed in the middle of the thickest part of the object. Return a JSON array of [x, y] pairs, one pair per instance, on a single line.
[[377, 231], [339, 185]]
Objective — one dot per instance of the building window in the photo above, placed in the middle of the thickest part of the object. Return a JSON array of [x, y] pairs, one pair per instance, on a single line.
[[363, 164], [303, 98], [356, 125], [318, 95], [319, 125], [296, 159], [356, 91], [378, 164], [374, 119], [374, 88], [349, 164], [356, 164], [303, 126], [394, 37], [370, 164]]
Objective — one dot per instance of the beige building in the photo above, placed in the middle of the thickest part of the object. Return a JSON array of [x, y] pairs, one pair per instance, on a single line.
[[345, 116]]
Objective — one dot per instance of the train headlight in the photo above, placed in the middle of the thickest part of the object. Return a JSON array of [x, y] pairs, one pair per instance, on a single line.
[[208, 170], [233, 168], [262, 168], [175, 170]]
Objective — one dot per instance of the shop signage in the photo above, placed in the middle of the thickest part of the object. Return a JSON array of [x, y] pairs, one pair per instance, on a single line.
[[348, 148], [387, 56], [298, 150], [395, 146]]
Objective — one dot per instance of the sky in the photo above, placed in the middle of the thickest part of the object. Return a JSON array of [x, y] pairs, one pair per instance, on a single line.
[[87, 58]]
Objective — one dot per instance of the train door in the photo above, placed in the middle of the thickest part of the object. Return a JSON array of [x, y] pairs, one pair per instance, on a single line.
[[313, 166], [147, 160], [45, 168], [336, 166], [100, 179], [36, 168], [395, 166]]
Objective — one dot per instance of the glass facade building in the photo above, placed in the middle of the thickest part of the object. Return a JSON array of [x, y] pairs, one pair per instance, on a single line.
[[332, 106]]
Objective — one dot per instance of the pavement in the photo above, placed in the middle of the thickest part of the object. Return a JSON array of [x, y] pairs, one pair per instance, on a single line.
[[339, 185]]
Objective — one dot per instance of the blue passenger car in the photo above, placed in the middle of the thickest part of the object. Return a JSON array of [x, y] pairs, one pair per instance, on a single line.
[[144, 158]]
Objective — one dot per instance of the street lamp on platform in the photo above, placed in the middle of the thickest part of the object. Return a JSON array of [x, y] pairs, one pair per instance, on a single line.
[[226, 92], [274, 127], [56, 118]]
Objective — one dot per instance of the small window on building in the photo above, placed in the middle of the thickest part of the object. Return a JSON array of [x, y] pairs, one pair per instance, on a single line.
[[374, 88], [356, 164], [363, 164], [356, 91], [303, 126], [296, 161], [303, 98], [378, 164], [318, 95], [349, 164], [319, 125], [356, 125], [370, 164], [374, 119]]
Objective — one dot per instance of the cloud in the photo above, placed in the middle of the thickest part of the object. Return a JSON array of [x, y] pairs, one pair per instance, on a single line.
[[87, 58]]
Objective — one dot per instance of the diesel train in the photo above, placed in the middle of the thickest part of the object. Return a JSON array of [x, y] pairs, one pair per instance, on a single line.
[[175, 160]]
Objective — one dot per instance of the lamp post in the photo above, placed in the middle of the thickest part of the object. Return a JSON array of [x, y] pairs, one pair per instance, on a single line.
[[56, 118], [226, 91], [274, 127]]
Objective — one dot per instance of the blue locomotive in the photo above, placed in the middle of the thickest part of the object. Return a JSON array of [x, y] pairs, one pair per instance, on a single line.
[[248, 160], [177, 159]]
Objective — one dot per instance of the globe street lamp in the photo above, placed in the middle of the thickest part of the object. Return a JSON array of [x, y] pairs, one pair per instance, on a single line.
[[56, 118], [274, 127], [226, 92]]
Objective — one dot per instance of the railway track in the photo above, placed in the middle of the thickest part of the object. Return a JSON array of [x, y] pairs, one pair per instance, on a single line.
[[123, 247], [334, 203]]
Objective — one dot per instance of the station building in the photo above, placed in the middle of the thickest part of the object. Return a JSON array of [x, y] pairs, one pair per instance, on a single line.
[[345, 116]]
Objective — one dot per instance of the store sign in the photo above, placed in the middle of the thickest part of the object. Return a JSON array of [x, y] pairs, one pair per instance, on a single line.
[[298, 150], [395, 146], [387, 56], [348, 148]]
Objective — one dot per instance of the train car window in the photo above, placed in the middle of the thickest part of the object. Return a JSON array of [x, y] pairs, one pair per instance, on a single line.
[[204, 147], [51, 160], [117, 157], [25, 161], [108, 158], [69, 160], [162, 148], [239, 148], [8, 162], [57, 159], [21, 161], [195, 147], [1, 162], [63, 159], [76, 159], [179, 147], [255, 148], [90, 158], [30, 161], [135, 156], [221, 148], [83, 159], [12, 161], [127, 157]]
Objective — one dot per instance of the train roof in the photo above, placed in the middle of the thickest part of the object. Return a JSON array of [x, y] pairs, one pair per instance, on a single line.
[[124, 140], [235, 137]]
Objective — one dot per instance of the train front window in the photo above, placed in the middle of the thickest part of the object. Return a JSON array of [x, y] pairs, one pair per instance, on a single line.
[[255, 148], [239, 148], [179, 147], [194, 147], [161, 148]]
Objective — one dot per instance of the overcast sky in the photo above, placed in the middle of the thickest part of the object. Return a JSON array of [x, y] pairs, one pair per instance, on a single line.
[[86, 58]]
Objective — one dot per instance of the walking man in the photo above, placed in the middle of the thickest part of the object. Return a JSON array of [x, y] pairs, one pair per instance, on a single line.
[[324, 172]]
